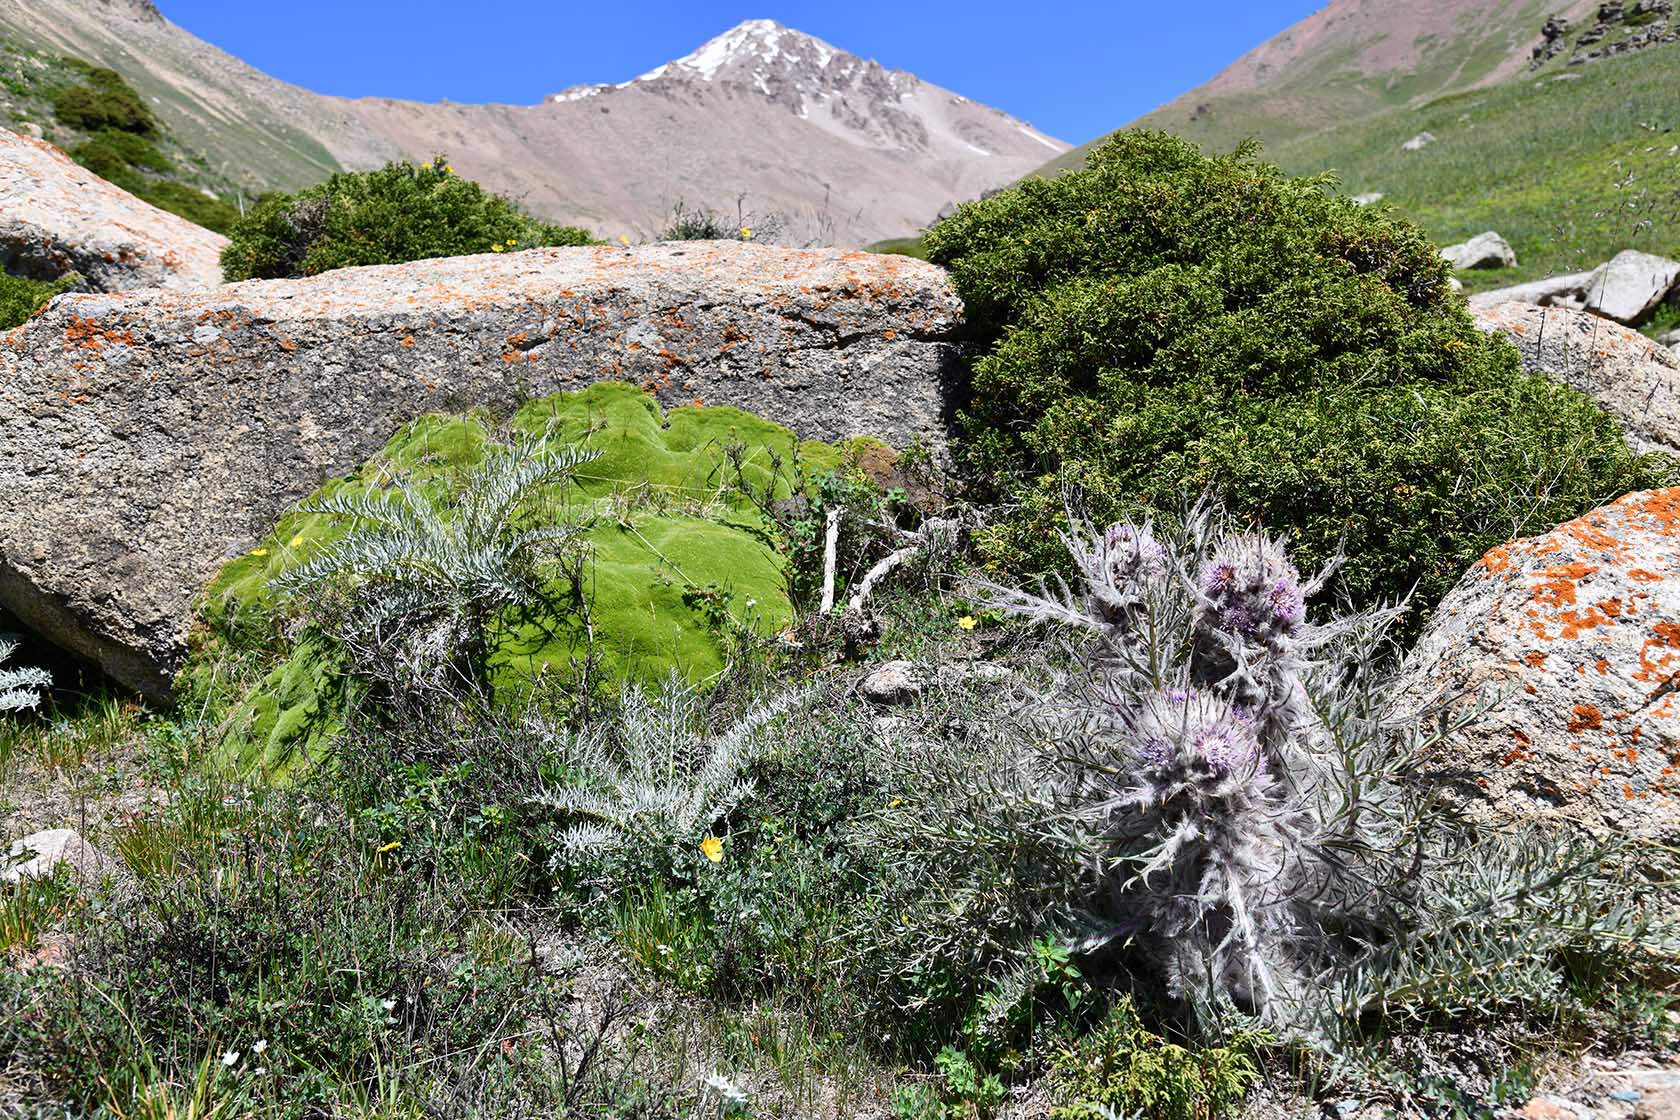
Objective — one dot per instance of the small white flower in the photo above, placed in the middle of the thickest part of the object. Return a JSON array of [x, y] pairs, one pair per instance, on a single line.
[[259, 1046], [261, 1070], [731, 1094], [230, 1057], [388, 1004]]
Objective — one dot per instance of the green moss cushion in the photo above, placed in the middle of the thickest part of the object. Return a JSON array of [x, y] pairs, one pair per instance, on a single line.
[[682, 559]]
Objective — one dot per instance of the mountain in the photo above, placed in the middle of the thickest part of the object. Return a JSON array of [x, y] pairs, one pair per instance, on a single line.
[[1353, 59], [840, 148]]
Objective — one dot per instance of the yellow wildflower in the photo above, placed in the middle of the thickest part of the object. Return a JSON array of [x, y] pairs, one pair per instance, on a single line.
[[392, 846], [295, 541], [496, 248], [895, 802], [746, 234], [259, 552], [623, 239], [967, 622], [425, 167], [449, 169], [712, 848]]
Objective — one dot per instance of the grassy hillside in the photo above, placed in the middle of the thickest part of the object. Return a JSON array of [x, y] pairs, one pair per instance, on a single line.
[[1332, 78], [241, 141], [106, 126], [1569, 166]]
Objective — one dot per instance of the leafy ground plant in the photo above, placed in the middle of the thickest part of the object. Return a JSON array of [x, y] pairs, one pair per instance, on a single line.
[[20, 688]]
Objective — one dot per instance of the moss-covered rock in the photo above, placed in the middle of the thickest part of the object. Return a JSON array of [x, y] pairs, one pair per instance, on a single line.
[[682, 561]]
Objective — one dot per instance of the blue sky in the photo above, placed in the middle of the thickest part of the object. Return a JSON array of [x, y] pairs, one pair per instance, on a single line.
[[1074, 70]]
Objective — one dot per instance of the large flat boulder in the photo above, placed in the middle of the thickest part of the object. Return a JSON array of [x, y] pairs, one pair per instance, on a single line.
[[1572, 641], [152, 435], [56, 216], [1635, 379]]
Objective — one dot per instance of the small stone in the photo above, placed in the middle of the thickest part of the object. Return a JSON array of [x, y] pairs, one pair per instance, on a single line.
[[1485, 250], [1419, 142], [1544, 1108], [895, 682], [40, 854], [1630, 1096]]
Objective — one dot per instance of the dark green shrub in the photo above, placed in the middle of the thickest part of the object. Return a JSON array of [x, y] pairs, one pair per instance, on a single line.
[[399, 213], [19, 299], [190, 203], [1162, 324], [103, 101], [119, 151]]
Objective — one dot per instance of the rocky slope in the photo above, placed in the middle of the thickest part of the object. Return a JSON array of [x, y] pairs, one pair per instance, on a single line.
[[845, 150]]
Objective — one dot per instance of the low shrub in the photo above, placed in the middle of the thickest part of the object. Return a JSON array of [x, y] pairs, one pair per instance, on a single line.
[[401, 212], [702, 223], [1162, 323], [1123, 1069]]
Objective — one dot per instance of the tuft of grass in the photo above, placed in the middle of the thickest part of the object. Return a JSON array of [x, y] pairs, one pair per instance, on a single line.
[[20, 298]]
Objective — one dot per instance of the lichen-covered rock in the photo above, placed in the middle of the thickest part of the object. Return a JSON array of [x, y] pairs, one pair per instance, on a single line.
[[151, 436], [58, 217], [1572, 640], [1633, 378]]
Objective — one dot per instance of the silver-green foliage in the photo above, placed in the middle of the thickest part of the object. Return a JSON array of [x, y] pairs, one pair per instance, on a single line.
[[1221, 791], [412, 588], [651, 786], [19, 688]]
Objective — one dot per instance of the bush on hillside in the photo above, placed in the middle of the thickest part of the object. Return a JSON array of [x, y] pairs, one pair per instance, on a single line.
[[103, 101], [402, 212], [1163, 323]]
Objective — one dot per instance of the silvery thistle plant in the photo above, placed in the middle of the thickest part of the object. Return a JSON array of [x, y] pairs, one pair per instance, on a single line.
[[1220, 761]]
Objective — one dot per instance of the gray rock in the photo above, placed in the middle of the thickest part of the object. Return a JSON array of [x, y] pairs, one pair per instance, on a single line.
[[125, 486], [893, 682], [1631, 285], [1485, 250], [1636, 380], [1571, 639], [1419, 142], [39, 854], [1568, 290], [57, 217]]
